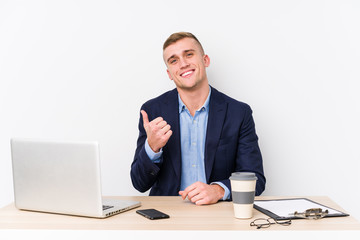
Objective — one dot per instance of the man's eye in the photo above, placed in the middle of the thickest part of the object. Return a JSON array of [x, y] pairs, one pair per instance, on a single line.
[[173, 61], [189, 54]]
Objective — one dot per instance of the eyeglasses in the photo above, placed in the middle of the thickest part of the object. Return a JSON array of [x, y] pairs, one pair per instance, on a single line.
[[266, 222]]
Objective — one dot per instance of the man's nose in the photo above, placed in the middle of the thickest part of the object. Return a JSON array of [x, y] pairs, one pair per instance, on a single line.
[[183, 63]]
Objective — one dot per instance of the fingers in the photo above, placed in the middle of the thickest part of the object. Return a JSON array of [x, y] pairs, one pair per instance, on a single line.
[[190, 191], [159, 126], [200, 199], [158, 131], [145, 118], [168, 135], [201, 193], [158, 122], [166, 128]]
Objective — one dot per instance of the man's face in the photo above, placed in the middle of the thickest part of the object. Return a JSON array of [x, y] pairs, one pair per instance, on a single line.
[[186, 64]]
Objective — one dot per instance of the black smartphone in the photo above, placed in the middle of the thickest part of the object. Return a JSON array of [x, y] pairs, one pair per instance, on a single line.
[[152, 214]]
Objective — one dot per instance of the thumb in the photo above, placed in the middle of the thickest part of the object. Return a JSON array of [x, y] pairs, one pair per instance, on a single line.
[[145, 117]]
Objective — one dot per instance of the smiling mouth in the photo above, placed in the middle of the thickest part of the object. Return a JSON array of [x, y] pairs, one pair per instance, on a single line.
[[187, 73]]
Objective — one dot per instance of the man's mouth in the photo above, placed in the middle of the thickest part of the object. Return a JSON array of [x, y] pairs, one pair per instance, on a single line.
[[187, 73]]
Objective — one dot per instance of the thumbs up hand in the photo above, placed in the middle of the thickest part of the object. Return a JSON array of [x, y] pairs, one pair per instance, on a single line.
[[158, 131]]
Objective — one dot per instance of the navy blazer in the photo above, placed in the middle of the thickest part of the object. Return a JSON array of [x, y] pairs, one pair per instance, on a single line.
[[231, 145]]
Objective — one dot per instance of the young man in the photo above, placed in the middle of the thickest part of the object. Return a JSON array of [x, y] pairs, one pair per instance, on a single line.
[[192, 138]]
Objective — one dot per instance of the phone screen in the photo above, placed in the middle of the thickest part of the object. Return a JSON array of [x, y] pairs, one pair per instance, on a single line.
[[152, 214]]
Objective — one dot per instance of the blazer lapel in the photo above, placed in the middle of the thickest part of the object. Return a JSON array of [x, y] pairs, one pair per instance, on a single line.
[[171, 116], [217, 112]]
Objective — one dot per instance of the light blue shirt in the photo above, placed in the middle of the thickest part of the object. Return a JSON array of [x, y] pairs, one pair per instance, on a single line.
[[193, 136]]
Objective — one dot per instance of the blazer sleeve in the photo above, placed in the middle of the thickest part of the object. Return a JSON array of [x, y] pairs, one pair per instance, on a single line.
[[143, 171], [249, 158], [243, 153], [237, 149]]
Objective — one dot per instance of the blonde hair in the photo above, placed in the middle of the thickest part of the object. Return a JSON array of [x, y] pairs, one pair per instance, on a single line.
[[173, 38]]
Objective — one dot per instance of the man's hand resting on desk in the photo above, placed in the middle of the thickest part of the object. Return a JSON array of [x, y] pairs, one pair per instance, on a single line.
[[201, 193]]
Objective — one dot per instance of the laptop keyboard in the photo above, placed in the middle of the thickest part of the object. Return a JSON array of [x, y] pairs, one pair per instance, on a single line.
[[107, 207]]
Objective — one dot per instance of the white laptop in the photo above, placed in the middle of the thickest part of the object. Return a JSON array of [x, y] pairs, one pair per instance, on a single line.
[[61, 177]]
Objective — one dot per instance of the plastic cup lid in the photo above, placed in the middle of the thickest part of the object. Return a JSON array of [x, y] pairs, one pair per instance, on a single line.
[[243, 176]]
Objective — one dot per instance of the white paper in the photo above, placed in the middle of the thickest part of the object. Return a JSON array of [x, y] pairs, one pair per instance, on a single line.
[[287, 207]]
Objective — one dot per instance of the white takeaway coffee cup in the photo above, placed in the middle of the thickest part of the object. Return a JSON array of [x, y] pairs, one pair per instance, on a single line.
[[243, 193]]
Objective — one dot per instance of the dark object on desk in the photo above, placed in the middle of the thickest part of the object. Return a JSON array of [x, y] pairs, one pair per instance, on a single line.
[[152, 214], [281, 209]]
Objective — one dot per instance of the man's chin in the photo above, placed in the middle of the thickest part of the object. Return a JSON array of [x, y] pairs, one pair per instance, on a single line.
[[188, 88]]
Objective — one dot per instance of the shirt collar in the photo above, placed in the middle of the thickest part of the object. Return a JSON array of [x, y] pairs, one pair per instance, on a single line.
[[182, 106]]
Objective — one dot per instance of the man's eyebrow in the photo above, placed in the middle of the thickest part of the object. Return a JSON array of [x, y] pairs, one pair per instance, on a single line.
[[185, 51], [189, 50], [172, 56]]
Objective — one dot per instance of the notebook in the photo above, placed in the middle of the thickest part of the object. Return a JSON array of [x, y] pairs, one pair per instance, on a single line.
[[61, 177]]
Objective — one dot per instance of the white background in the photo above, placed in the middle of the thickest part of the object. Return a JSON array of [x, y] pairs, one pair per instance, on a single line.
[[80, 70]]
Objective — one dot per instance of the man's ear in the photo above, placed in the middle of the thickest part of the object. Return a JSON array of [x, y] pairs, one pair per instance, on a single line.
[[167, 70], [206, 59]]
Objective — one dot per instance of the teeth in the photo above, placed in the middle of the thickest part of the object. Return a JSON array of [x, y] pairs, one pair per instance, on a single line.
[[187, 73]]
